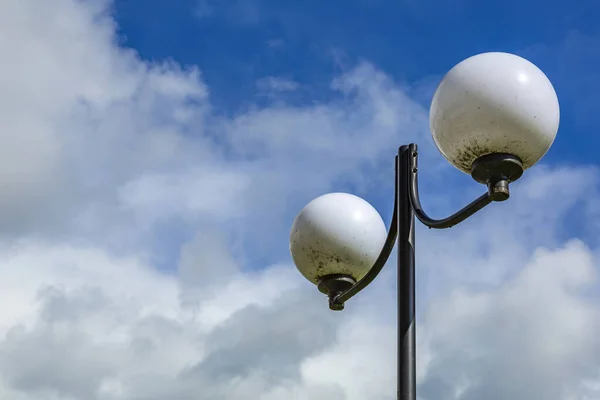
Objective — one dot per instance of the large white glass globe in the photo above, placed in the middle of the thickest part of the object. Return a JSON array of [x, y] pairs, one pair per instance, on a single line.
[[494, 103], [337, 233]]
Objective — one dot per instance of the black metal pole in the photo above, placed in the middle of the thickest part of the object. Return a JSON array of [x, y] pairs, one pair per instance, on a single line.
[[406, 279]]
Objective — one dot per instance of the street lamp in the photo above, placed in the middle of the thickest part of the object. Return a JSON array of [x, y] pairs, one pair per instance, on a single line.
[[492, 116]]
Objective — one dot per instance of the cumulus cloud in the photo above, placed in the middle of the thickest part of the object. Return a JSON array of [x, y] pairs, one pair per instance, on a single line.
[[239, 12], [276, 84], [534, 337], [132, 217]]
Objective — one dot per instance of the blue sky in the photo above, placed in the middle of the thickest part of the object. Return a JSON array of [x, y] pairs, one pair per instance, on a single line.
[[153, 155], [416, 43]]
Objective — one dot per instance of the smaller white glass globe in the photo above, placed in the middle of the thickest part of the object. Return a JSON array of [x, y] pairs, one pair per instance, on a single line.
[[337, 233], [494, 103]]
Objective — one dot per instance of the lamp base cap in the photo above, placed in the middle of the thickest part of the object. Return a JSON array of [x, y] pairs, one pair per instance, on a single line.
[[333, 285], [496, 167]]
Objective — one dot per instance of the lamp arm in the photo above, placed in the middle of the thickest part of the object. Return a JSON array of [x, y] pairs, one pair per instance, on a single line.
[[453, 219], [496, 192], [336, 301]]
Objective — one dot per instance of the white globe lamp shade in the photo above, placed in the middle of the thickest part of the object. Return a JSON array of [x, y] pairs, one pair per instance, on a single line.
[[494, 103], [336, 234]]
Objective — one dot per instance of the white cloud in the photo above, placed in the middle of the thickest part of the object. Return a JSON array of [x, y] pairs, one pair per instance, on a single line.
[[275, 43], [103, 154], [239, 12], [535, 337], [276, 84]]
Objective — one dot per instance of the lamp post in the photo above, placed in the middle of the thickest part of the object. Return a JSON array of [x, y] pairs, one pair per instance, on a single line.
[[492, 116]]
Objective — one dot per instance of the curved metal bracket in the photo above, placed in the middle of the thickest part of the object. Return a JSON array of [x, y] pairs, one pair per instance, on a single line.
[[337, 302], [497, 191], [443, 223]]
